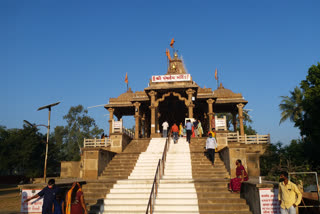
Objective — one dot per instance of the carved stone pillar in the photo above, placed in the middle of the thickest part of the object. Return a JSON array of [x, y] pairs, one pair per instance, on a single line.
[[111, 110], [137, 117], [152, 107], [190, 110], [143, 125], [210, 112], [234, 121], [240, 112], [190, 105]]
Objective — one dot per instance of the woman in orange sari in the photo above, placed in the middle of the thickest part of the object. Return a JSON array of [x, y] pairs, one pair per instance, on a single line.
[[75, 201]]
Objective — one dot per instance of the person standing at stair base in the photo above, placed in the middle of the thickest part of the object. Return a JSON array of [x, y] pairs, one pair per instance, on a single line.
[[289, 195], [211, 145], [242, 175], [49, 194]]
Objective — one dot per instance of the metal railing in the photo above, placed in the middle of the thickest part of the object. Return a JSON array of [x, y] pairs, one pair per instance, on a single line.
[[158, 175], [92, 143], [248, 139]]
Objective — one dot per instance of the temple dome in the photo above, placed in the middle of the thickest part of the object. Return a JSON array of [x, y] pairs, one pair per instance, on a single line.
[[222, 92]]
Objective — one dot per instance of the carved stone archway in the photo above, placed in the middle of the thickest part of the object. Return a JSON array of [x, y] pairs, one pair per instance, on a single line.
[[172, 107], [185, 100]]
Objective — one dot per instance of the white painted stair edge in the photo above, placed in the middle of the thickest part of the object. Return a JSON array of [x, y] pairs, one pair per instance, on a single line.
[[132, 195], [176, 194]]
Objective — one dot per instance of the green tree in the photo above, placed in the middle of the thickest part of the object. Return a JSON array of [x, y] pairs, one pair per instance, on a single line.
[[291, 107], [291, 158], [22, 151], [249, 130], [70, 137], [310, 125]]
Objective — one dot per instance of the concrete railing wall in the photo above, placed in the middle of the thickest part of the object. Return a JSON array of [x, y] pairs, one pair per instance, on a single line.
[[230, 155], [94, 160], [70, 169], [250, 192]]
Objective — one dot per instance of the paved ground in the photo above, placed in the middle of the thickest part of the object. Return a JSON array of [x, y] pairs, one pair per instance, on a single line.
[[9, 199]]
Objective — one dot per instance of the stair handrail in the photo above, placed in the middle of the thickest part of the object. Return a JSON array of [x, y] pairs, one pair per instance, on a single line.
[[158, 175]]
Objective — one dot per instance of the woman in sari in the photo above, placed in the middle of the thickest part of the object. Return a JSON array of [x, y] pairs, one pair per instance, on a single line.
[[75, 201], [235, 183], [200, 130], [180, 130]]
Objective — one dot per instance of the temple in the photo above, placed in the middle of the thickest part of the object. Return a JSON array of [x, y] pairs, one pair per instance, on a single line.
[[173, 98], [126, 163]]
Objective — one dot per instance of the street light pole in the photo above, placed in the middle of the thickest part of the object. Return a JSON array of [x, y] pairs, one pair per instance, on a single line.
[[47, 144], [48, 132]]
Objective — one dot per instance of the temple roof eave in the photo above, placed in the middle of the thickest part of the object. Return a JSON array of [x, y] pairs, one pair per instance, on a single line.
[[231, 100], [124, 104]]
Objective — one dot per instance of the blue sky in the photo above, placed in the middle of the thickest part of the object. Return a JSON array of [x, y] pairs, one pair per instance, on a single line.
[[78, 52]]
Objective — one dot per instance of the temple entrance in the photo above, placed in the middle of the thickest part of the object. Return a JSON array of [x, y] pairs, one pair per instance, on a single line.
[[172, 110]]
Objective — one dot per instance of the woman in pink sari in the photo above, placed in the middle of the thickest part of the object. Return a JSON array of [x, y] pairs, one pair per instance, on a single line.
[[235, 183]]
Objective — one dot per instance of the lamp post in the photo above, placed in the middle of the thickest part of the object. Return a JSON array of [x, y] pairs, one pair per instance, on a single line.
[[33, 125], [48, 131]]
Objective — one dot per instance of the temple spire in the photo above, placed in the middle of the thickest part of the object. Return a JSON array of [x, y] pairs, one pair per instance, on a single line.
[[176, 65]]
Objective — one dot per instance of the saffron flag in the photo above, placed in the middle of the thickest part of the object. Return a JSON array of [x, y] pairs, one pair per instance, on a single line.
[[168, 54], [126, 79], [216, 74], [172, 42]]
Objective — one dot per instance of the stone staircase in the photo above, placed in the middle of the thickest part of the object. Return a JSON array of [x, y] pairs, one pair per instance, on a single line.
[[211, 183], [190, 183], [120, 167], [131, 195], [177, 193]]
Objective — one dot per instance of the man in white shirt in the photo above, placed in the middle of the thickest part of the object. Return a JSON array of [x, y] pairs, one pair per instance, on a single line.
[[165, 126], [211, 145]]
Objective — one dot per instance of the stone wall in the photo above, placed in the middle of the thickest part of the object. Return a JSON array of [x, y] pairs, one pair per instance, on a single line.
[[253, 153], [249, 154], [70, 169], [230, 154], [222, 139], [224, 155], [119, 142], [250, 192], [94, 160]]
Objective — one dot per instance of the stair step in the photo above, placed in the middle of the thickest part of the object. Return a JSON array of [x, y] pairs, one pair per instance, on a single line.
[[181, 207], [140, 201], [224, 207]]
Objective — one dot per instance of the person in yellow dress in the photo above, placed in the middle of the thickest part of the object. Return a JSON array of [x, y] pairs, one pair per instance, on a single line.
[[180, 130]]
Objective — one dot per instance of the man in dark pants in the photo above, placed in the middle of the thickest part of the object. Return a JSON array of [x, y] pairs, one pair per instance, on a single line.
[[211, 145], [49, 194], [189, 130], [175, 131]]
